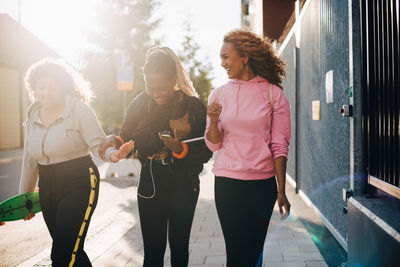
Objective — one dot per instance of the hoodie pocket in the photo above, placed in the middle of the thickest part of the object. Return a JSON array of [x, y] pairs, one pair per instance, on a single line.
[[250, 154]]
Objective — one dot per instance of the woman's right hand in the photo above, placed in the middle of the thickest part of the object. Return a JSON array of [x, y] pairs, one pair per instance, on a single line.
[[109, 141], [214, 111]]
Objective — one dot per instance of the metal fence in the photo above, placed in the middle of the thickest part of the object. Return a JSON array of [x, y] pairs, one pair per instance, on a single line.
[[380, 48]]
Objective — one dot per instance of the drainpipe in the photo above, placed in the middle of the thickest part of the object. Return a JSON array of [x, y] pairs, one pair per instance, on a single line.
[[296, 89], [351, 100]]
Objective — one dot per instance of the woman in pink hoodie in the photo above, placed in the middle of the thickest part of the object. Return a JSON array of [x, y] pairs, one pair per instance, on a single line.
[[248, 125]]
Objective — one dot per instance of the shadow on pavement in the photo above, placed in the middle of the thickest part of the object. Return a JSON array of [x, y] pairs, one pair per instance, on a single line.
[[330, 249]]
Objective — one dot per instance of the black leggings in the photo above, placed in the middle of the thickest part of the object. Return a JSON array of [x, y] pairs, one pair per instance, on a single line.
[[244, 210], [68, 196], [170, 209]]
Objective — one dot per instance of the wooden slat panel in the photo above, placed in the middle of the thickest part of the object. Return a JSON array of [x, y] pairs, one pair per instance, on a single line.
[[10, 122]]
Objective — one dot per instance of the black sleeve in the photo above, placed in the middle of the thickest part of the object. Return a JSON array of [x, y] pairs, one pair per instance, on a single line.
[[130, 120], [198, 151]]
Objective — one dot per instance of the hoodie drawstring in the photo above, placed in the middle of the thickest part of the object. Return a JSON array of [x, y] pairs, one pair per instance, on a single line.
[[237, 101]]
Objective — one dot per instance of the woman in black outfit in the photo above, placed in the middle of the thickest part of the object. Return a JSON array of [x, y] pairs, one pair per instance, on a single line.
[[158, 120]]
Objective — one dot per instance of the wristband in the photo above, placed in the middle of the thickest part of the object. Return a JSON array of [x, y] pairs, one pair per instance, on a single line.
[[183, 153], [109, 151]]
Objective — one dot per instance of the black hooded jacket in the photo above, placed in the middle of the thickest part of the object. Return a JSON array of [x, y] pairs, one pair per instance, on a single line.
[[145, 119]]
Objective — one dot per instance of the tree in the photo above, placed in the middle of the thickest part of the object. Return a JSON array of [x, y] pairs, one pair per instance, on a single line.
[[123, 26], [199, 71]]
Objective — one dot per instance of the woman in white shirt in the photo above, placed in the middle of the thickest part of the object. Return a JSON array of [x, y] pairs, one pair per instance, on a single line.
[[61, 130]]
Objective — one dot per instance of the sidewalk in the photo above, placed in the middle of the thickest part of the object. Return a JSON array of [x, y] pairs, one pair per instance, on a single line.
[[117, 242]]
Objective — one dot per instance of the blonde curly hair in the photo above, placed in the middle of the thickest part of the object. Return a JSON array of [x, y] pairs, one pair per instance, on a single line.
[[69, 79], [263, 60]]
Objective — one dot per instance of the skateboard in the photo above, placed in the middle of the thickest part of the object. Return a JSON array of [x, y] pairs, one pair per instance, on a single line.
[[18, 207]]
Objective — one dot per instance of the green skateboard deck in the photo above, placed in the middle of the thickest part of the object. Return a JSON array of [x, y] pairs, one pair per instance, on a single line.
[[18, 207]]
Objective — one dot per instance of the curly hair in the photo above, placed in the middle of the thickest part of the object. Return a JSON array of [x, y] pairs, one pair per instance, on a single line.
[[69, 79], [262, 58]]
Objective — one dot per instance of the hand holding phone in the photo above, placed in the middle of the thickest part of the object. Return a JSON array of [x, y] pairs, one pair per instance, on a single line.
[[166, 134]]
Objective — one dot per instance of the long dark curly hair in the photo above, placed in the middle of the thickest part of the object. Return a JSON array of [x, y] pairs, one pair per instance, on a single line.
[[263, 60]]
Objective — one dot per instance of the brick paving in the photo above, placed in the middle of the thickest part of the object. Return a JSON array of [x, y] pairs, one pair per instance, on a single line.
[[119, 243]]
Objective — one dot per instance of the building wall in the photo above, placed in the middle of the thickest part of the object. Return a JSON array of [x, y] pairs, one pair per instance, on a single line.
[[252, 15], [289, 85], [323, 145], [10, 111], [14, 61], [373, 237], [256, 16]]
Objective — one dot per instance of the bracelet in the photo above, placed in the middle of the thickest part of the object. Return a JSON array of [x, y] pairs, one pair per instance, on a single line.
[[183, 153]]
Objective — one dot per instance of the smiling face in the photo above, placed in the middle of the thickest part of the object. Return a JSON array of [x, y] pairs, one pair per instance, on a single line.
[[232, 61], [160, 87], [49, 92]]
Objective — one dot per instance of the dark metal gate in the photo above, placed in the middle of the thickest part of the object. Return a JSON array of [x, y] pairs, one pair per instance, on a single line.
[[381, 93]]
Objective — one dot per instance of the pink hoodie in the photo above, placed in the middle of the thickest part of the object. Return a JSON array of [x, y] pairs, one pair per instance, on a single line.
[[248, 148]]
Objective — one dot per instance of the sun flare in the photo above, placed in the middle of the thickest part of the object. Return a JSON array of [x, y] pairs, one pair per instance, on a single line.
[[64, 24]]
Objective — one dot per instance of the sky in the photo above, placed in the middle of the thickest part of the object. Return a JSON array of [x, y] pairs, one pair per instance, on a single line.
[[63, 25]]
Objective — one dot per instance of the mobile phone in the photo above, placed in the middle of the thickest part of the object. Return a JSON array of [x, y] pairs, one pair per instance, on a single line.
[[166, 134]]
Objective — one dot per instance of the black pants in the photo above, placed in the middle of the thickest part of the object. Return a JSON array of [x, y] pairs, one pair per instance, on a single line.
[[68, 196], [244, 210], [168, 207]]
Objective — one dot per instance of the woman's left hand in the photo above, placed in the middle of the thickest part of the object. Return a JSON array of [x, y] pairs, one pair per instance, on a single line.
[[174, 144], [29, 216], [283, 202]]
